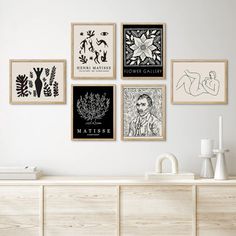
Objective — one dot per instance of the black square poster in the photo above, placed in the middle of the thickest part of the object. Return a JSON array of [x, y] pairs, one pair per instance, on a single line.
[[143, 51], [93, 108]]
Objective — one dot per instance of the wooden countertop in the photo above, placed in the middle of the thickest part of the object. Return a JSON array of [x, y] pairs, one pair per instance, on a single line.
[[114, 180]]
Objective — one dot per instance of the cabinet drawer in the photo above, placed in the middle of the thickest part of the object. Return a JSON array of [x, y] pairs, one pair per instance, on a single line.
[[80, 210], [19, 210], [156, 210], [216, 210]]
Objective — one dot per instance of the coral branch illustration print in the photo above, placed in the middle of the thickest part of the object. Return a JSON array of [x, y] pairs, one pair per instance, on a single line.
[[93, 112], [143, 50], [37, 81], [93, 50], [93, 107]]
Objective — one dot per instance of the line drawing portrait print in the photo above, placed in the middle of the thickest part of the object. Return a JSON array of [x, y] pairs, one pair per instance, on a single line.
[[143, 47], [195, 85], [93, 107], [143, 112]]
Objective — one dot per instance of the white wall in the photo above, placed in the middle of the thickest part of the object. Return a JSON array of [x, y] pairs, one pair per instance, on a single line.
[[40, 134]]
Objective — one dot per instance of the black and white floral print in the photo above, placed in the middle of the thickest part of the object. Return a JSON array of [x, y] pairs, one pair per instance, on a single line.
[[143, 46]]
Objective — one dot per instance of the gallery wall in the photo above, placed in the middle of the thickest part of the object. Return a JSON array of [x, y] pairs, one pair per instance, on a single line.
[[40, 135]]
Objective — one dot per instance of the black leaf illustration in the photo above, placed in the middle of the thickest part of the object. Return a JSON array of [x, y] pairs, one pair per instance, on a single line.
[[52, 76], [47, 90], [83, 59], [30, 83], [44, 79], [31, 75], [21, 86], [47, 71], [55, 89]]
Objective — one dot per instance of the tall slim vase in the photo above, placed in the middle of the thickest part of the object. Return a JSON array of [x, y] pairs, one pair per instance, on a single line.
[[221, 172]]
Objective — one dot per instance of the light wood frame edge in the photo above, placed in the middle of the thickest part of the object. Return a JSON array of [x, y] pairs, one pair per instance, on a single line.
[[194, 213], [41, 215], [118, 211], [63, 61], [163, 86], [164, 52], [114, 112], [225, 61], [113, 77]]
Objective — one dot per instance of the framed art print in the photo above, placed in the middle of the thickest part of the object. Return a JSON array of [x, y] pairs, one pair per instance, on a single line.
[[93, 51], [143, 51], [37, 81], [199, 82], [93, 112], [143, 112]]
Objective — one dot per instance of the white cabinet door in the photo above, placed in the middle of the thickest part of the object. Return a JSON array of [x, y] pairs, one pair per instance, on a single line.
[[156, 211], [80, 210], [216, 210], [19, 211]]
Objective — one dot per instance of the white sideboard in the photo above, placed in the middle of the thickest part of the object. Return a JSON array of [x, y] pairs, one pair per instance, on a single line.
[[117, 206]]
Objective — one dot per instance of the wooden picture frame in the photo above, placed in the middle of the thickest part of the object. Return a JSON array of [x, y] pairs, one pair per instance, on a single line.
[[37, 81], [151, 64], [140, 123], [97, 125], [93, 51], [199, 81]]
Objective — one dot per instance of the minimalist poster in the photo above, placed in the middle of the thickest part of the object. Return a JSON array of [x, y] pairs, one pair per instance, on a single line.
[[93, 112], [199, 82], [143, 112], [37, 81], [143, 51], [93, 51]]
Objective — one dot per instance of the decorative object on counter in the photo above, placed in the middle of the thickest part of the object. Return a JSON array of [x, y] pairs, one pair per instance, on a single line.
[[19, 173], [173, 175], [173, 160], [199, 82], [206, 154], [37, 81], [93, 112], [143, 51], [143, 112], [93, 50], [221, 172]]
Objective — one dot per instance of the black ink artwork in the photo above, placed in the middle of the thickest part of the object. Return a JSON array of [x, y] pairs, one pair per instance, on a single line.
[[101, 42], [21, 86], [91, 46], [93, 112], [47, 90], [143, 50], [143, 115], [40, 82], [193, 83], [52, 76], [93, 51], [55, 89]]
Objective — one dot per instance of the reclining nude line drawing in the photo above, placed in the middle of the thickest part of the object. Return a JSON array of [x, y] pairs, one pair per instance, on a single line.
[[194, 86]]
